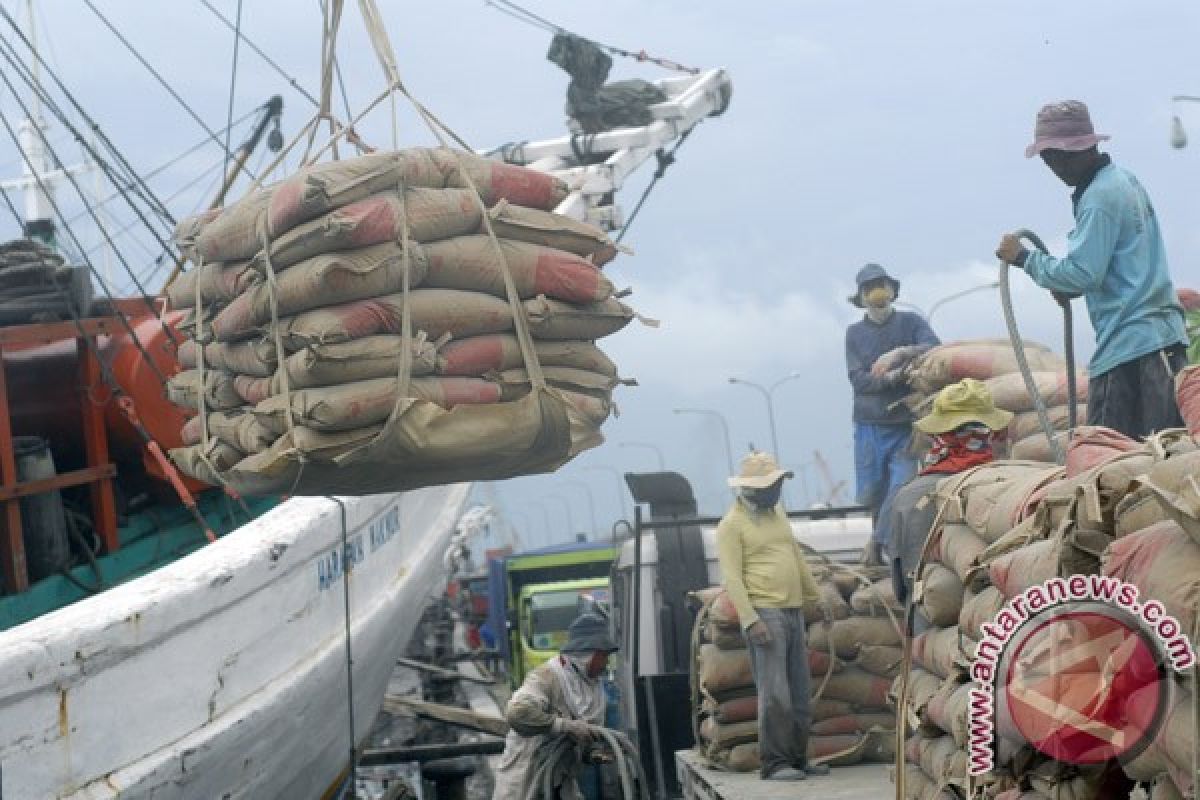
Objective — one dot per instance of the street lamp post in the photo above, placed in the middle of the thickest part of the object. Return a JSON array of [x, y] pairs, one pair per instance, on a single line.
[[662, 464], [724, 427], [768, 393], [1178, 134], [948, 298], [591, 500], [566, 509], [620, 485]]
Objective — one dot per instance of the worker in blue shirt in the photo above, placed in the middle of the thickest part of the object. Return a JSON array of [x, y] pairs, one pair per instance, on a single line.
[[878, 347], [1116, 260]]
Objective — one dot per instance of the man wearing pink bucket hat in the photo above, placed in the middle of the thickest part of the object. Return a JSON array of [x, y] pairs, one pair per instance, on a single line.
[[1117, 261]]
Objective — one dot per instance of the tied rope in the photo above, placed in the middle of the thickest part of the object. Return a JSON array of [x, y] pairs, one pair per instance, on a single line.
[[277, 340]]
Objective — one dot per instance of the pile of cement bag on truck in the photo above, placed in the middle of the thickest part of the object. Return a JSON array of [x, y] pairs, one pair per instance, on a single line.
[[853, 656], [994, 362], [361, 328], [1119, 508]]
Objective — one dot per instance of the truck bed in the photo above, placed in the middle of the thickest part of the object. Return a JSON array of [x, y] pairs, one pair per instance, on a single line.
[[700, 782]]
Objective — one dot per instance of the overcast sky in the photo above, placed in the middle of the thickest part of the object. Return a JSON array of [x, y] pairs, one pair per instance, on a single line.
[[859, 131]]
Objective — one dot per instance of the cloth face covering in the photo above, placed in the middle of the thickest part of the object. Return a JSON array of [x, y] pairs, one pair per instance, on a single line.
[[964, 447], [763, 499]]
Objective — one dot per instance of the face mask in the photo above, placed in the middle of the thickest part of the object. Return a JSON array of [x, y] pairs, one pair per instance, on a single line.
[[763, 499], [879, 315], [879, 297]]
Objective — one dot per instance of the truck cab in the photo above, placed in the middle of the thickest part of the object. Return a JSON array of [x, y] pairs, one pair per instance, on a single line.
[[673, 552], [544, 612]]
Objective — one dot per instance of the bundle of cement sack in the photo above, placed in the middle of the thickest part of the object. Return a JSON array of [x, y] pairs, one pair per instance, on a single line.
[[1008, 526], [853, 655], [361, 327], [994, 362]]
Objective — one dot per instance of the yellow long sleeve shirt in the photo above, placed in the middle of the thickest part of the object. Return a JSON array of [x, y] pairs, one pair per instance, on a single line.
[[761, 563]]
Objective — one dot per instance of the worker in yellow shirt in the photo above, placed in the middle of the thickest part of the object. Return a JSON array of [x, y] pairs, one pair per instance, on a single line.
[[769, 582]]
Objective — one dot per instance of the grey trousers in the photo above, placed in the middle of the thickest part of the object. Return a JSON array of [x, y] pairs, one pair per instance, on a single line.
[[783, 683], [1137, 398]]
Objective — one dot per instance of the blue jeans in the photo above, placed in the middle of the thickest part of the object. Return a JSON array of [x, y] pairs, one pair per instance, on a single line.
[[882, 464]]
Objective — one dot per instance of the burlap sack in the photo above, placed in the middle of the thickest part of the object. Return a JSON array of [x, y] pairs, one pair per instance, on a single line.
[[1137, 510], [1013, 573], [325, 280], [470, 263], [830, 605], [552, 319], [1171, 750], [1174, 484], [944, 761], [1036, 448], [356, 405], [724, 637], [183, 389], [992, 509], [1009, 392], [939, 650], [355, 360], [188, 228], [979, 608], [255, 357], [950, 363], [922, 686], [854, 723], [1027, 422], [1092, 445], [436, 312], [877, 599], [743, 758], [1187, 394], [200, 461], [219, 283], [522, 224], [939, 592], [478, 355], [238, 429], [845, 637], [862, 688], [740, 709], [722, 671], [884, 660], [514, 383], [958, 546], [827, 708], [722, 610], [720, 736]]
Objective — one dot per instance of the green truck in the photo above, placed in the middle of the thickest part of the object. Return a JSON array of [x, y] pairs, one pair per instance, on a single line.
[[533, 596]]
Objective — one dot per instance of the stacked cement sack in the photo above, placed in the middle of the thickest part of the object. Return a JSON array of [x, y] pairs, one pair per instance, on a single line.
[[854, 655], [994, 362], [360, 328], [1008, 526]]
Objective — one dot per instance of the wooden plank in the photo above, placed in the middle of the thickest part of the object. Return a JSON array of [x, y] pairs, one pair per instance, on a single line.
[[12, 551], [395, 704], [60, 481], [442, 672], [95, 442]]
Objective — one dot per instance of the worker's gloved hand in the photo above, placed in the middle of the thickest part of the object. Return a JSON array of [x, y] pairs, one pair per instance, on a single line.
[[1011, 251], [759, 633], [577, 729], [895, 377], [894, 359]]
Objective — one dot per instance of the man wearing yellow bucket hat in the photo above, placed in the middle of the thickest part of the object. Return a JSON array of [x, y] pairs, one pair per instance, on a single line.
[[965, 425]]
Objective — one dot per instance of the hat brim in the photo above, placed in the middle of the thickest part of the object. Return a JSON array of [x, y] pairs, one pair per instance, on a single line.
[[1072, 144], [938, 422], [856, 298], [760, 481]]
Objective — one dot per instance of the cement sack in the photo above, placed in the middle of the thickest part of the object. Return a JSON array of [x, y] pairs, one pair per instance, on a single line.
[[830, 605], [944, 761], [956, 491], [741, 709], [1165, 789], [950, 363], [993, 509], [1013, 573], [1073, 783], [552, 319], [939, 650], [877, 599], [743, 758], [1187, 395], [1164, 563], [219, 283], [188, 228], [919, 786], [857, 686], [1027, 423], [238, 429], [1137, 510], [478, 355], [1171, 751], [722, 671], [722, 737], [254, 357], [436, 312], [957, 547], [846, 636], [510, 221], [1093, 445], [471, 263], [356, 405], [884, 660], [1009, 392], [922, 686], [722, 610], [423, 444], [325, 280], [315, 190], [854, 723], [1036, 448], [1175, 484], [183, 389], [514, 383], [827, 708], [726, 638], [939, 592], [980, 608], [200, 461], [356, 360]]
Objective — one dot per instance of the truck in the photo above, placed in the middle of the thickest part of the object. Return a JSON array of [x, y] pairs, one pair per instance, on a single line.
[[533, 596], [673, 552]]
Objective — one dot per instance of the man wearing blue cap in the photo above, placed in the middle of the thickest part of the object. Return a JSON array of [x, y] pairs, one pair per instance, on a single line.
[[878, 347]]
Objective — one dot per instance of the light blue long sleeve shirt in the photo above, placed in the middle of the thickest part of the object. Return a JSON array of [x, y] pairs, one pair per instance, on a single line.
[[1116, 260]]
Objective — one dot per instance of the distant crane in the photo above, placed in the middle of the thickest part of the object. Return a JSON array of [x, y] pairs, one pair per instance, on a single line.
[[835, 490]]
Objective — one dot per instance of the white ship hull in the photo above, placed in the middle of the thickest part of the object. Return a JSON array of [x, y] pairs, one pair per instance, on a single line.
[[224, 674]]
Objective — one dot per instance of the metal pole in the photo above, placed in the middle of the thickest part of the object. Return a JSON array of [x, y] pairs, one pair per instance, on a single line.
[[662, 464], [567, 508], [948, 298], [590, 499], [620, 487]]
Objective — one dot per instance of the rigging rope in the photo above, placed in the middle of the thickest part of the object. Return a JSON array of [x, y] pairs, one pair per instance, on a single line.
[[665, 159], [161, 80], [529, 18], [237, 41]]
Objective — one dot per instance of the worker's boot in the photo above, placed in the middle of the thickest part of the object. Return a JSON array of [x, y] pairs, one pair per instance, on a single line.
[[787, 774], [816, 770]]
